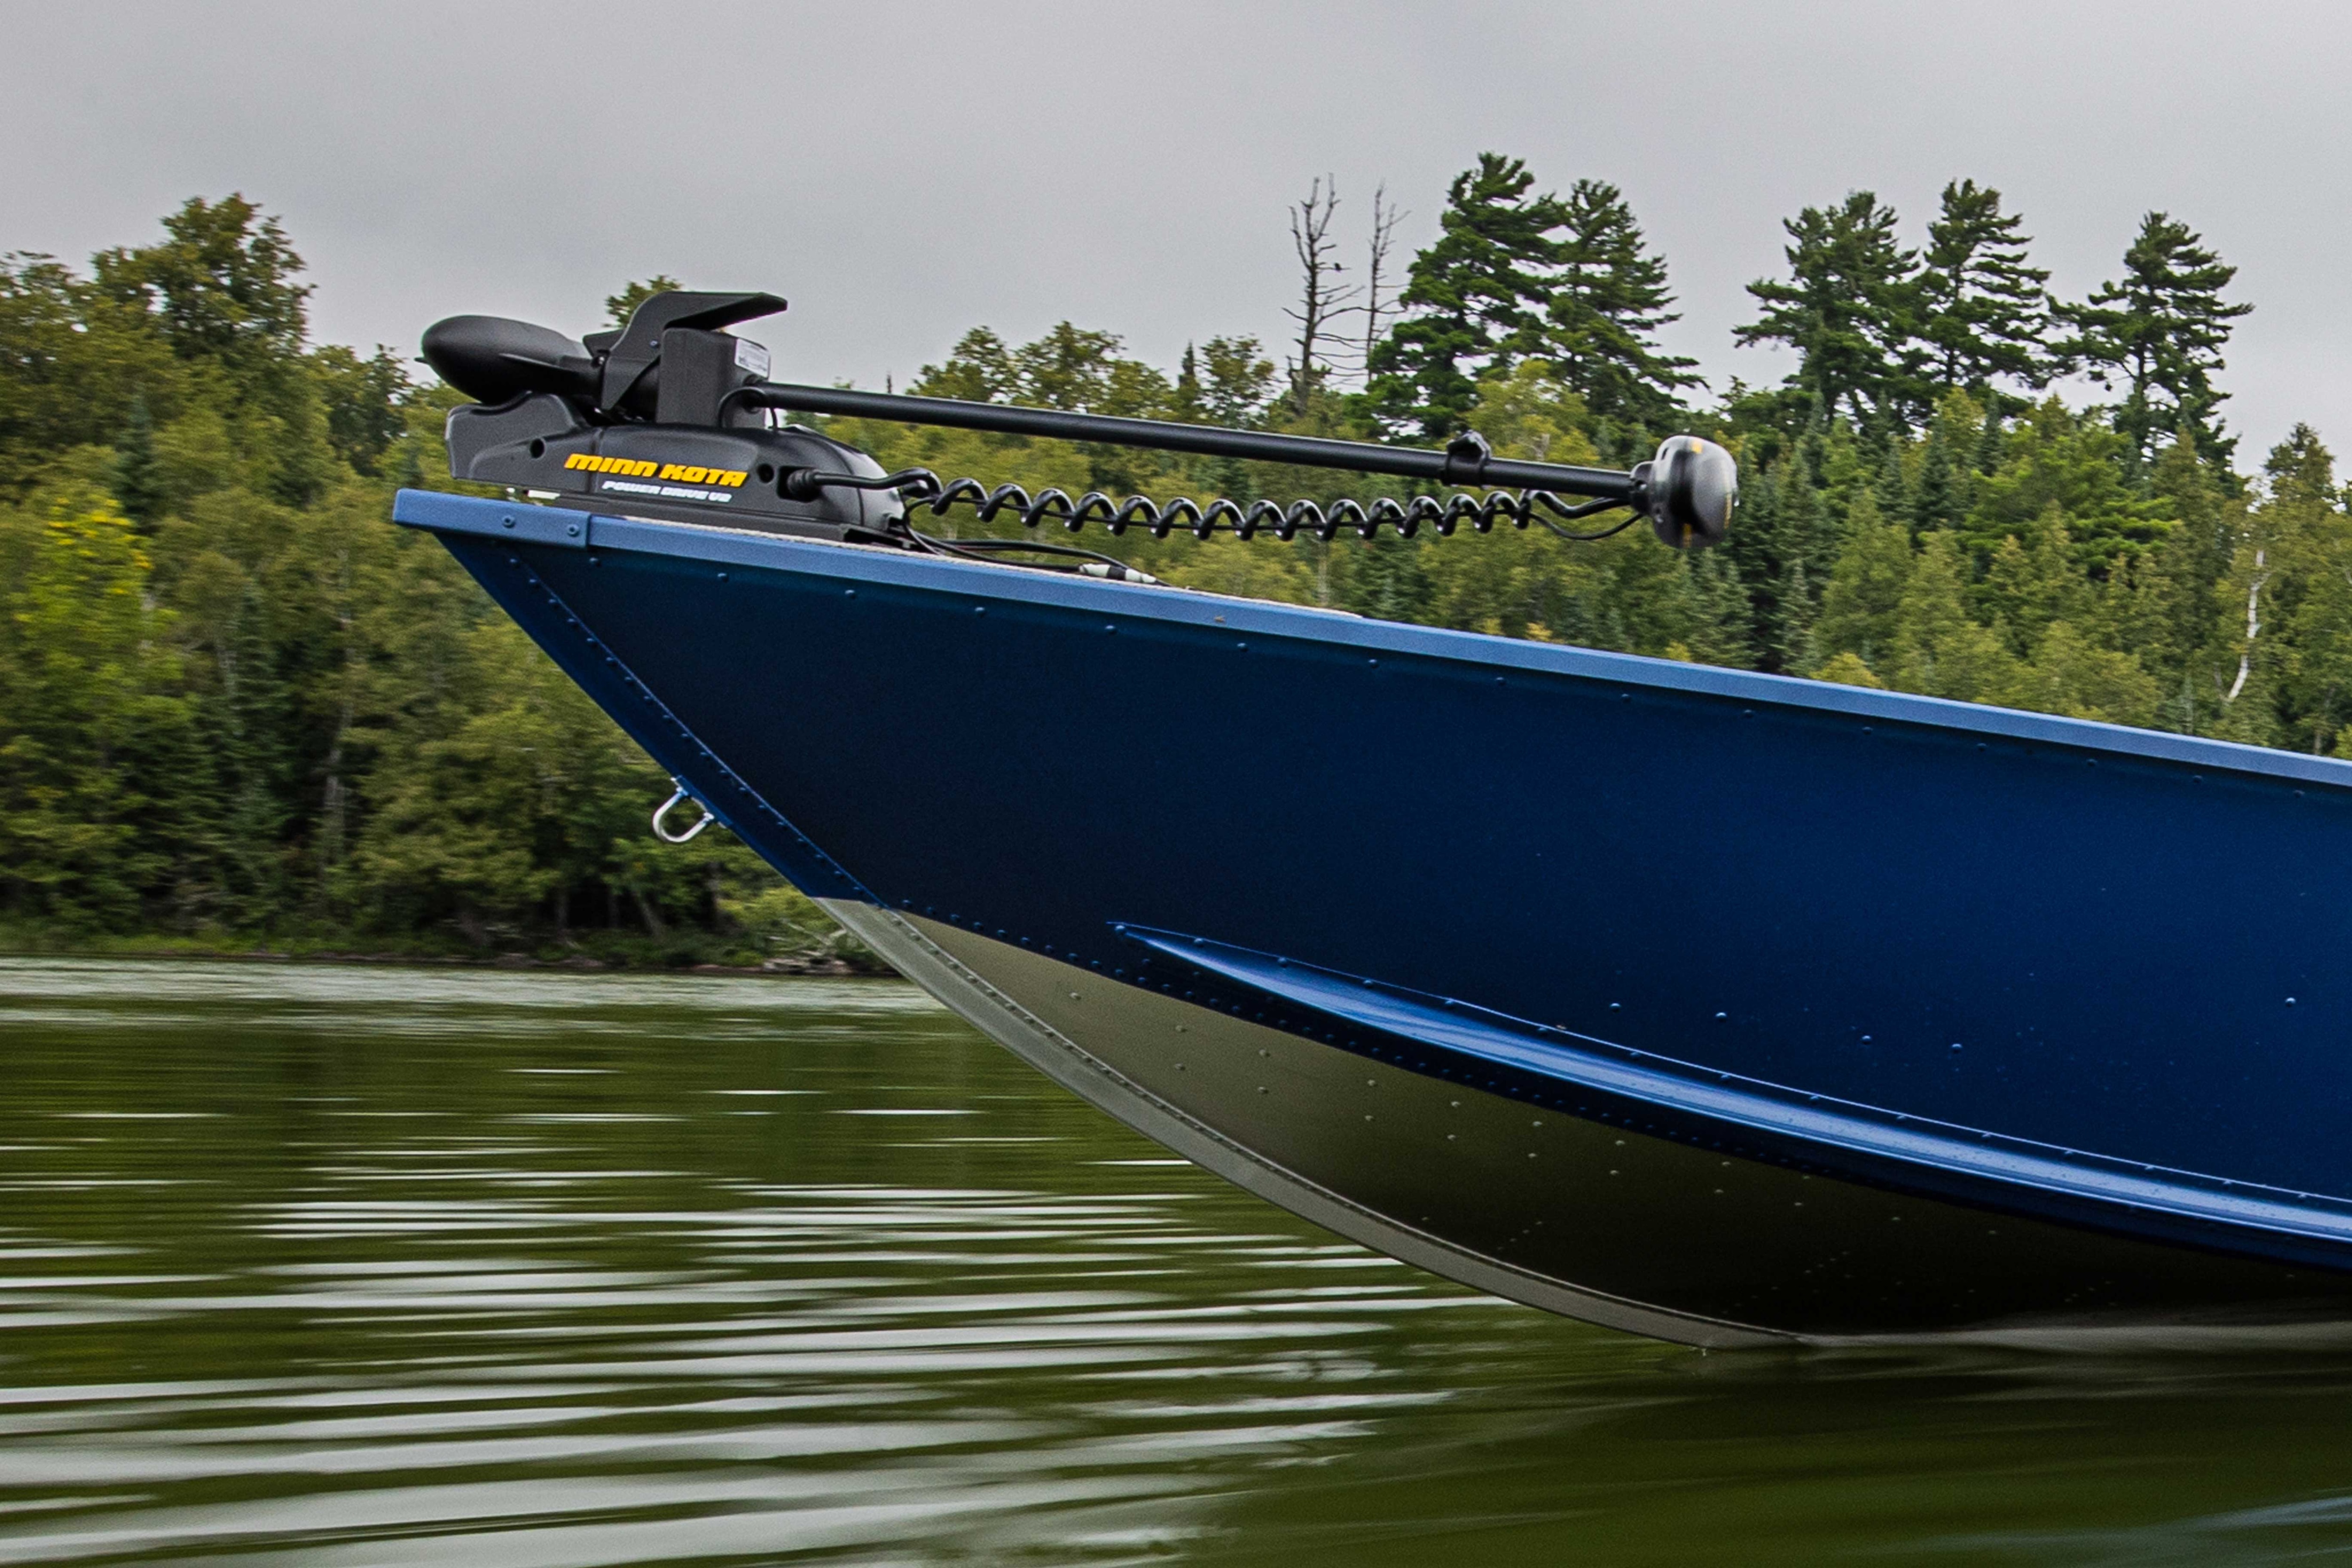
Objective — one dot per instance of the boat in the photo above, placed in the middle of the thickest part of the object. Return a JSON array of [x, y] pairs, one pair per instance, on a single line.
[[1724, 1007]]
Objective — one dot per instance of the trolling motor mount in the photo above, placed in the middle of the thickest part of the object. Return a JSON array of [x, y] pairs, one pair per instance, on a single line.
[[637, 421], [671, 417]]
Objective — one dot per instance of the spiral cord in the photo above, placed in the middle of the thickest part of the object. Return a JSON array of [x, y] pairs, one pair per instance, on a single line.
[[922, 488]]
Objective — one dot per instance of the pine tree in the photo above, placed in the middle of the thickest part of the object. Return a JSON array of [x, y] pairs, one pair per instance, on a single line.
[[1984, 315], [2302, 470], [1939, 648], [1387, 579], [2188, 483], [1861, 604], [1721, 629], [2167, 606], [1751, 553], [1795, 648], [1810, 529], [1893, 490], [1848, 309], [2069, 675], [1992, 443], [2158, 331], [1947, 483], [2032, 581], [1609, 299], [1223, 381], [1935, 500], [138, 484], [1780, 555], [1472, 299], [2314, 546], [1185, 404]]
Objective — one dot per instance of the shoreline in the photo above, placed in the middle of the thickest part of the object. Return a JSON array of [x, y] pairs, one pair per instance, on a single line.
[[774, 969]]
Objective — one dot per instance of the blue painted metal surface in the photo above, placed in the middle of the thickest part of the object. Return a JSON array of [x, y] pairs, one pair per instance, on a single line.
[[2027, 964]]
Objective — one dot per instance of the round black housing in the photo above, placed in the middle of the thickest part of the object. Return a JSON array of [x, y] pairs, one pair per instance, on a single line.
[[495, 359], [1692, 484]]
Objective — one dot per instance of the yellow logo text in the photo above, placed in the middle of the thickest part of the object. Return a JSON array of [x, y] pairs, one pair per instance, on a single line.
[[639, 469], [731, 478], [596, 464]]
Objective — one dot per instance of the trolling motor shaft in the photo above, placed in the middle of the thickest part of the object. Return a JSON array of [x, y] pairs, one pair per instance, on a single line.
[[1468, 461], [668, 417]]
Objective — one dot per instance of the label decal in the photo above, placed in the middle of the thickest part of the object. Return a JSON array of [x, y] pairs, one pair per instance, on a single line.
[[640, 468], [664, 493]]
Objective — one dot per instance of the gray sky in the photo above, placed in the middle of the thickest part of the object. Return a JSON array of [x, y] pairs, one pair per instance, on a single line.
[[901, 172]]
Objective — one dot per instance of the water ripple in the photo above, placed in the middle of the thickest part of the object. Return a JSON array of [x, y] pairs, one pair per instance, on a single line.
[[376, 1267]]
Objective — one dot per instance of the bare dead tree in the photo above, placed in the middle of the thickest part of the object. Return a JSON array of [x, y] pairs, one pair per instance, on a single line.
[[1321, 298], [1379, 288]]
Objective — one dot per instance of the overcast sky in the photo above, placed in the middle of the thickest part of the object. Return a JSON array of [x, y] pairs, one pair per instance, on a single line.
[[903, 171]]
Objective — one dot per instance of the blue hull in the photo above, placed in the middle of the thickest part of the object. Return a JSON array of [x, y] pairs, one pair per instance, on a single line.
[[1717, 1006]]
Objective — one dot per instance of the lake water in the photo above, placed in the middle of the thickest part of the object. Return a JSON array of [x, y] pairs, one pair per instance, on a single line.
[[397, 1267]]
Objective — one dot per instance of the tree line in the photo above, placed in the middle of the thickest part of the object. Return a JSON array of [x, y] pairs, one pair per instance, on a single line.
[[236, 706]]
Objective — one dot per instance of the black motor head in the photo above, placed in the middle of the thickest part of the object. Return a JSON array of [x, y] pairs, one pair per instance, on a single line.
[[1691, 486], [493, 359]]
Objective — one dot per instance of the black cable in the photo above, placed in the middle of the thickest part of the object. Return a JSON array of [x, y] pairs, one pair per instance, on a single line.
[[920, 486], [988, 548], [1588, 538]]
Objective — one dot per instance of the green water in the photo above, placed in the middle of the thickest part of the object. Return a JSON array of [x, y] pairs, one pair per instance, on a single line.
[[359, 1266]]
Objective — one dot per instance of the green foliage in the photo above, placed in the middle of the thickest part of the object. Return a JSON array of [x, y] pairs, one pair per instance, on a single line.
[[363, 399], [1850, 669], [1226, 382], [1984, 312], [1571, 279], [95, 744], [2158, 332], [74, 363], [1609, 298], [236, 706], [221, 286], [2070, 675], [1862, 607], [138, 474], [2075, 463], [1939, 646], [1885, 336], [1474, 300], [1848, 309], [978, 369]]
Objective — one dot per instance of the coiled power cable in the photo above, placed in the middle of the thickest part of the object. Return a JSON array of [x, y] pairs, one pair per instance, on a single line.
[[922, 488]]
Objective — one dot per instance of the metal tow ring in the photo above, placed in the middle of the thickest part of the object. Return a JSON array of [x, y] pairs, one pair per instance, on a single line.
[[666, 807]]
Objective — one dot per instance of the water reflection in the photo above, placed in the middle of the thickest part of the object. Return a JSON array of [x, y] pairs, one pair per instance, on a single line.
[[389, 1266]]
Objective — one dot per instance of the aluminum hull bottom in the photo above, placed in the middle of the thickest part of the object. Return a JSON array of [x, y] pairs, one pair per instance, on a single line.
[[1577, 1218]]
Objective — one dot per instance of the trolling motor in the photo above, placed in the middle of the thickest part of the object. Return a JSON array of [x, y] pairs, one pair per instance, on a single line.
[[672, 417]]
